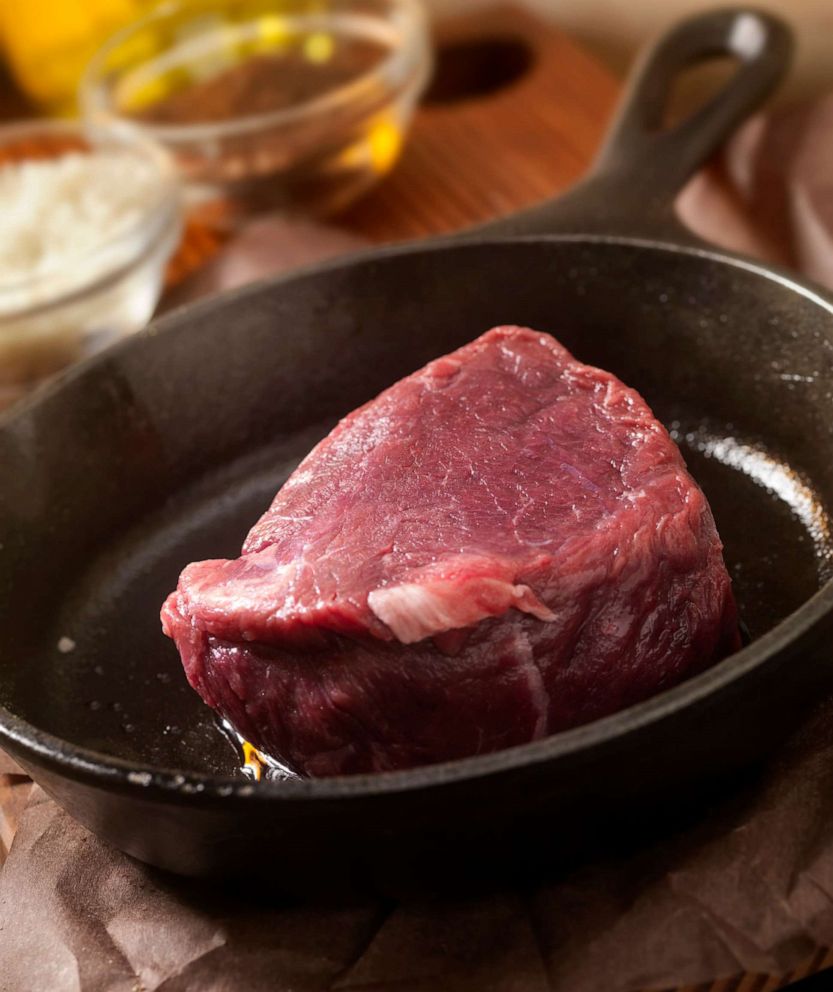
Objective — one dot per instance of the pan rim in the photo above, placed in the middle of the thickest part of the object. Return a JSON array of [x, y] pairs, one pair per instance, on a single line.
[[154, 783]]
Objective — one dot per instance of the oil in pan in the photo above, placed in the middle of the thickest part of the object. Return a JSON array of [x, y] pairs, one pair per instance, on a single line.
[[775, 528]]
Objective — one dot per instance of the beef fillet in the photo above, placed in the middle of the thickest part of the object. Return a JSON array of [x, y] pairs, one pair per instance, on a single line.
[[502, 545]]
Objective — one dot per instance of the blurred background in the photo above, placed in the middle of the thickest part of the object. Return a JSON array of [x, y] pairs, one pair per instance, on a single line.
[[173, 148], [614, 29], [48, 42]]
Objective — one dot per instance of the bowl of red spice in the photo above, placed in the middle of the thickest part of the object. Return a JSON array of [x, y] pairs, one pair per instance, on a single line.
[[290, 105]]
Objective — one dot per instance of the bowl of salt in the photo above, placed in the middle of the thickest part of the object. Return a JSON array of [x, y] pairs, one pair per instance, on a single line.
[[89, 223]]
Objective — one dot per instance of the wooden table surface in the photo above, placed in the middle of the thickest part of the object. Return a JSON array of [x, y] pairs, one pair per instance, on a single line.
[[515, 116]]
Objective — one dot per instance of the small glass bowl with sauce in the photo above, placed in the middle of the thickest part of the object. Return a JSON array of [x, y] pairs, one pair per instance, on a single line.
[[265, 105], [58, 309]]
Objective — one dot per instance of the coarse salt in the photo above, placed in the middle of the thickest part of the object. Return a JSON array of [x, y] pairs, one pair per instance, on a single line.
[[57, 212]]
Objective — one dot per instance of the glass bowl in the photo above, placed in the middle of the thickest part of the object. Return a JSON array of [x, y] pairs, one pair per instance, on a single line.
[[291, 105], [59, 315]]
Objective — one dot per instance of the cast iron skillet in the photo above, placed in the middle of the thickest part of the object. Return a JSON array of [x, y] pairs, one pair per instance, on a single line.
[[167, 448]]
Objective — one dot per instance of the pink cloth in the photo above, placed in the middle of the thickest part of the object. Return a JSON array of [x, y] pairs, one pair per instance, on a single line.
[[771, 195]]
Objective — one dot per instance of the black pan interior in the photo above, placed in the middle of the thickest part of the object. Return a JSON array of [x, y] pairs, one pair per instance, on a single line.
[[169, 447]]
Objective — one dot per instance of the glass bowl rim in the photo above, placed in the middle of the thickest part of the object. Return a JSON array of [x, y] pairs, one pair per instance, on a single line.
[[156, 220], [412, 54]]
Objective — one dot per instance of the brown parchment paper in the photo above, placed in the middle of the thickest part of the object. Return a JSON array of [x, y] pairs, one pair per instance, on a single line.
[[747, 888], [15, 787]]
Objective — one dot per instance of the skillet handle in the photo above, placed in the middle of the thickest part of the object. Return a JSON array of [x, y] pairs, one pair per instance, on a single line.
[[642, 165]]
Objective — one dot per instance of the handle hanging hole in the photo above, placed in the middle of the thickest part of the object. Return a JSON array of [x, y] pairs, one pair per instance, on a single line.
[[467, 70], [695, 85]]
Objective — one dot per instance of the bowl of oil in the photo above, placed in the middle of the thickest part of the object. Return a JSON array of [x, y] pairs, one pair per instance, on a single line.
[[266, 105]]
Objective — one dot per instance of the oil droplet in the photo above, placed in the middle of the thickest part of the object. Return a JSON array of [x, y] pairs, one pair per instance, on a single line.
[[138, 97], [256, 766], [384, 140], [253, 761], [274, 31], [319, 47]]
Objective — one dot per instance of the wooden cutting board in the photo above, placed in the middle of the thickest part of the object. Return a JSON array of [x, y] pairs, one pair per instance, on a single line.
[[514, 115]]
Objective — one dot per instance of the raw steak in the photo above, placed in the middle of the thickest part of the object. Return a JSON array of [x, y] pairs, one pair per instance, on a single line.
[[500, 546]]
